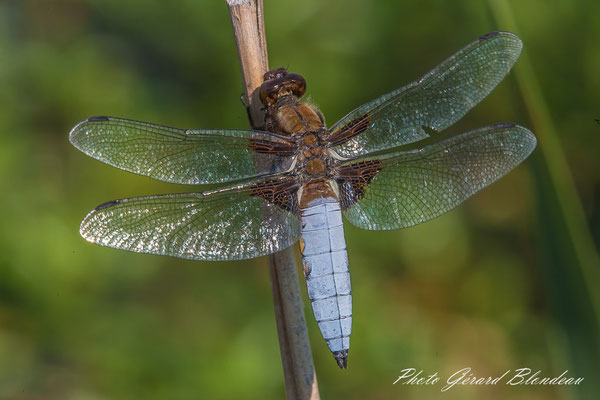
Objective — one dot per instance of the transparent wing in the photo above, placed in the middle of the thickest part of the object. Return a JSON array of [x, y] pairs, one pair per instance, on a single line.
[[179, 155], [234, 223], [433, 103], [422, 180]]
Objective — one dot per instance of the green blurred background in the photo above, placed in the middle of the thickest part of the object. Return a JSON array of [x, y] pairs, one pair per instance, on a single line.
[[506, 281]]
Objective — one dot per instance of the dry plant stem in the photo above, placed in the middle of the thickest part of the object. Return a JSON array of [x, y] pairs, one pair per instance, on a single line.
[[299, 372], [249, 33], [300, 378]]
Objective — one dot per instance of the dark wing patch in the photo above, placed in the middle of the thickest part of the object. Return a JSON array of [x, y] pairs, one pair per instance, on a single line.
[[354, 127], [353, 178], [263, 146], [283, 194]]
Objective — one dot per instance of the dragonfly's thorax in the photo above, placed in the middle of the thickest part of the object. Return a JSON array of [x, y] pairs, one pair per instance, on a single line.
[[305, 124], [314, 158], [315, 166], [294, 117]]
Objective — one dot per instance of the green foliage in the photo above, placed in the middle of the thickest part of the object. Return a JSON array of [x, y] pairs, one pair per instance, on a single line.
[[496, 284]]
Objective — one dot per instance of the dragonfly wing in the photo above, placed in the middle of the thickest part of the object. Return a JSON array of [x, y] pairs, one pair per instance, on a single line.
[[431, 104], [233, 223], [182, 156], [422, 180]]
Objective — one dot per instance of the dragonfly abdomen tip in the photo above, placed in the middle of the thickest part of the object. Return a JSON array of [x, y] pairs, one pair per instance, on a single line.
[[342, 358]]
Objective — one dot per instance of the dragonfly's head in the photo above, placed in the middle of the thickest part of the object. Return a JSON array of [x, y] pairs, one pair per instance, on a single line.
[[278, 83]]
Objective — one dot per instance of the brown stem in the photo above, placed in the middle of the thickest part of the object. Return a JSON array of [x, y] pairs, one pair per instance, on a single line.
[[299, 373]]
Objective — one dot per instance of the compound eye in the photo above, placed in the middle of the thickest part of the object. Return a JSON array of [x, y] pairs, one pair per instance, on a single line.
[[268, 92], [279, 83], [274, 74], [296, 84]]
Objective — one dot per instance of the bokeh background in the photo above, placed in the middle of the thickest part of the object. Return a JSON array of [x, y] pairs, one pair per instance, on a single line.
[[508, 280]]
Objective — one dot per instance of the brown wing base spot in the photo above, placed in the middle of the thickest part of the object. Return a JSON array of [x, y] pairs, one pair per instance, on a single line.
[[355, 127], [353, 178], [283, 194], [262, 146]]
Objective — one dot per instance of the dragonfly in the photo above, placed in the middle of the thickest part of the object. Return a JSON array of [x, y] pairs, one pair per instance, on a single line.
[[388, 164]]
